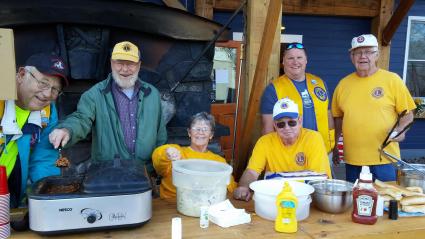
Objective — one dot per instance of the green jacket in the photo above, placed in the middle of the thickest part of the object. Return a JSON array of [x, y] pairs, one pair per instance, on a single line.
[[96, 113]]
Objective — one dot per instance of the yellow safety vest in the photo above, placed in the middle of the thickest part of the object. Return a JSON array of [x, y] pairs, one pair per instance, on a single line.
[[317, 90], [9, 152]]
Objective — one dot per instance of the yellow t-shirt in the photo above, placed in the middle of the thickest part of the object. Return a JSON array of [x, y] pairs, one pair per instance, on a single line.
[[163, 167], [308, 153], [369, 107]]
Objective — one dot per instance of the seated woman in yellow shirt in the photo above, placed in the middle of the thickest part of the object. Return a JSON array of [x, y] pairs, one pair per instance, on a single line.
[[200, 131]]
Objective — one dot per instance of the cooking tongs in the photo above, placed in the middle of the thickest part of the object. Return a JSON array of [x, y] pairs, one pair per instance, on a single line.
[[387, 141]]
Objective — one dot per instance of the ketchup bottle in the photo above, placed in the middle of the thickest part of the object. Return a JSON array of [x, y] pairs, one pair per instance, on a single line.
[[365, 198]]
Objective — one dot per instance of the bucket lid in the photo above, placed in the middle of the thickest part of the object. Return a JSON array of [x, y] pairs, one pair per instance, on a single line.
[[202, 167]]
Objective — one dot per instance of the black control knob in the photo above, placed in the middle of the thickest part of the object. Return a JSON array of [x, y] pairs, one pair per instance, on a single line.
[[91, 218]]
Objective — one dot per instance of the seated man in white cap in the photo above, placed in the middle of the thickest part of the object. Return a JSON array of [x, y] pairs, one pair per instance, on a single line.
[[122, 112], [289, 148]]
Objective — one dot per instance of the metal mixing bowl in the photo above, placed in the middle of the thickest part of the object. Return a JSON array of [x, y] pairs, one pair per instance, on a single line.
[[408, 177], [332, 195]]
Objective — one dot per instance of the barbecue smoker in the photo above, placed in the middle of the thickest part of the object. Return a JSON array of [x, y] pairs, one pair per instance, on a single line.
[[84, 32]]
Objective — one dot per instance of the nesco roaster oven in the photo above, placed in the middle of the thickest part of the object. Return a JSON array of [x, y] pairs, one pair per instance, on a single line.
[[112, 194]]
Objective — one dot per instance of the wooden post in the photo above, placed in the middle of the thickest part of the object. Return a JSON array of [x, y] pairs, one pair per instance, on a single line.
[[263, 47], [395, 21], [204, 8], [378, 24]]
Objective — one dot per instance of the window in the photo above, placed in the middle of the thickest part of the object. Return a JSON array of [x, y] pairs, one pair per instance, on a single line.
[[225, 61], [414, 62]]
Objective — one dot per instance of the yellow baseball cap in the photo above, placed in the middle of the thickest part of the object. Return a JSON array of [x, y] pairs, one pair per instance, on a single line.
[[125, 51]]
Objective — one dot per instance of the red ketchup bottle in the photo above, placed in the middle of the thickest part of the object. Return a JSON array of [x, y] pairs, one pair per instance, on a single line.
[[365, 198]]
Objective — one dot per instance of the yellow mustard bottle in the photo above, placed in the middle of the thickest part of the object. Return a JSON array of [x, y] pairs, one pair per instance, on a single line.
[[286, 218]]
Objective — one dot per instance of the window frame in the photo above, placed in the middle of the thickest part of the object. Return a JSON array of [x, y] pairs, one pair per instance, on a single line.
[[406, 51]]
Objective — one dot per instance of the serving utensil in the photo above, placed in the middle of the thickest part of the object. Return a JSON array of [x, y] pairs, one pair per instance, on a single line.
[[387, 141], [401, 162]]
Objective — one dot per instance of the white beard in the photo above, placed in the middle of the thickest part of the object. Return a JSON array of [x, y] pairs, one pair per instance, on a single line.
[[125, 84]]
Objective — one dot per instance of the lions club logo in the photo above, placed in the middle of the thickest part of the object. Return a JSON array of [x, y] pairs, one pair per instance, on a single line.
[[284, 105], [378, 92], [320, 93], [360, 39], [126, 47], [300, 159]]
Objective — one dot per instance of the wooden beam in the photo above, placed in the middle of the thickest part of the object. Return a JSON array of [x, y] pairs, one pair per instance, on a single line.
[[394, 23], [227, 5], [352, 8], [265, 32], [174, 4], [378, 25], [204, 8]]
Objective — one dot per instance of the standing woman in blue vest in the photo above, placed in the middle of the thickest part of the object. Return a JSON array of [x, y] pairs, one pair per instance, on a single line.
[[25, 149]]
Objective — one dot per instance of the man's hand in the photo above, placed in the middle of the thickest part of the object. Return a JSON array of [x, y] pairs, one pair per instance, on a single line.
[[399, 138], [59, 137], [335, 156], [173, 154], [405, 121], [242, 193]]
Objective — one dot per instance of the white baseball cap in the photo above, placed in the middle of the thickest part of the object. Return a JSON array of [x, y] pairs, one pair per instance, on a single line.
[[285, 108], [363, 41]]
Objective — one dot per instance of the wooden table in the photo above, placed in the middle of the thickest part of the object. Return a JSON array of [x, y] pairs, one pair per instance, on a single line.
[[317, 225]]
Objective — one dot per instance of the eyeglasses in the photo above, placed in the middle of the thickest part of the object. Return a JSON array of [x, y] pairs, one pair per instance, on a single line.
[[282, 124], [366, 53], [201, 129], [294, 45], [130, 65], [44, 85]]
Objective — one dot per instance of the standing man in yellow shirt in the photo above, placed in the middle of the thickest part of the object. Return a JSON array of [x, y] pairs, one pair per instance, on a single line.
[[289, 148], [365, 106]]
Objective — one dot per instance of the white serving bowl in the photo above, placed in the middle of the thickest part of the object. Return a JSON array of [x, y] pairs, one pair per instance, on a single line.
[[266, 191]]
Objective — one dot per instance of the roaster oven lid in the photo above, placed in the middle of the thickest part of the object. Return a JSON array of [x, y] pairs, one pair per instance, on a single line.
[[116, 177]]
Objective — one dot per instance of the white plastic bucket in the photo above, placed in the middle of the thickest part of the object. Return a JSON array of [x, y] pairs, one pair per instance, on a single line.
[[266, 191], [199, 183]]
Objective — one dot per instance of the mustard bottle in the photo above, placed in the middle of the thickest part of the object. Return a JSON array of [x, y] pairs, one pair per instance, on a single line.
[[286, 202]]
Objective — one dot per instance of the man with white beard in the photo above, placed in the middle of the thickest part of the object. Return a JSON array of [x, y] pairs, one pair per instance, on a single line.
[[122, 112]]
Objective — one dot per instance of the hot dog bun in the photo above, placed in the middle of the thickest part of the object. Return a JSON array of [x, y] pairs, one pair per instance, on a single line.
[[415, 189], [413, 208], [413, 200]]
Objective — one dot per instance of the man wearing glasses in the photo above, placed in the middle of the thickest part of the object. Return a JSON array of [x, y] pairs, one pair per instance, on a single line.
[[25, 150], [290, 148], [307, 90], [365, 106], [122, 112]]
